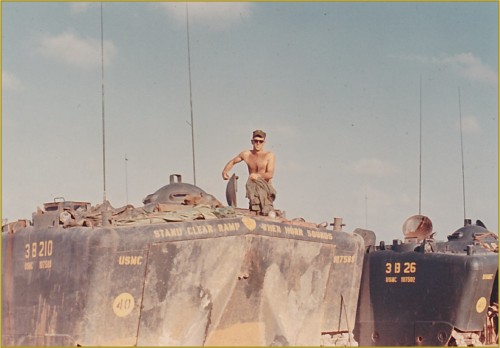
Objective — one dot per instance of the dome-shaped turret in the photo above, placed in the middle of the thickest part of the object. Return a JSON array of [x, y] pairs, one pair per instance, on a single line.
[[417, 226], [174, 193]]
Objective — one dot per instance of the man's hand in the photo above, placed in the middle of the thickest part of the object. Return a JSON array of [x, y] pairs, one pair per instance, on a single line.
[[225, 176]]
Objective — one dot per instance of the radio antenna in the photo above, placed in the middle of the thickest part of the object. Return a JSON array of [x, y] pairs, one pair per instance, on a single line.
[[462, 150], [102, 102], [190, 94], [420, 154], [126, 178]]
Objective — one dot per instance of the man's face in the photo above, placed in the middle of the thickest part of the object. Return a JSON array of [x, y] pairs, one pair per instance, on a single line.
[[258, 143]]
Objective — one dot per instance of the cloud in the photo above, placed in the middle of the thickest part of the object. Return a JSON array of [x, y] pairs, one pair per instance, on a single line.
[[83, 53], [470, 125], [221, 15], [11, 82], [471, 67], [374, 167], [79, 7], [466, 65]]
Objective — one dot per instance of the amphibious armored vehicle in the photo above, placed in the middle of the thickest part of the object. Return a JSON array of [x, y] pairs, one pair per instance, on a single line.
[[181, 270], [421, 292]]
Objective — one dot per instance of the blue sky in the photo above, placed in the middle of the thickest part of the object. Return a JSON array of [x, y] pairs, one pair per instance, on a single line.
[[335, 85]]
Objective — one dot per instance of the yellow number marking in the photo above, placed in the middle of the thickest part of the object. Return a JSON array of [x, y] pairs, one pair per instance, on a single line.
[[123, 304], [481, 305]]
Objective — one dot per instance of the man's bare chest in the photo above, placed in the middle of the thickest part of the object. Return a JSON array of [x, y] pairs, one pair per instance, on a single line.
[[257, 160]]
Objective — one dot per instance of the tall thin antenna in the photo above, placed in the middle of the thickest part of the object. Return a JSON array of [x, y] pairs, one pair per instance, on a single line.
[[420, 154], [462, 150], [102, 102], [126, 178], [190, 94]]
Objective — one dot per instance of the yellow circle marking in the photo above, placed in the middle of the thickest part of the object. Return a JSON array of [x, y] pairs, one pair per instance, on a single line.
[[481, 305], [123, 304], [249, 223]]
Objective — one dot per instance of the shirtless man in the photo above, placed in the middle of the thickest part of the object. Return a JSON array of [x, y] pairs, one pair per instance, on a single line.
[[260, 162], [261, 170]]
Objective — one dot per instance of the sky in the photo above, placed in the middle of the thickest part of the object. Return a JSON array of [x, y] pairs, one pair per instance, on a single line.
[[342, 90]]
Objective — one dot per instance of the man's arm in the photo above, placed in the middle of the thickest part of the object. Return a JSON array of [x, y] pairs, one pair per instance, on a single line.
[[230, 165], [268, 175]]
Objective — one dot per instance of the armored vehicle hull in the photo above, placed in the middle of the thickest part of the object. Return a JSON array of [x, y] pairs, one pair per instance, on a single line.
[[239, 280], [430, 293], [184, 270]]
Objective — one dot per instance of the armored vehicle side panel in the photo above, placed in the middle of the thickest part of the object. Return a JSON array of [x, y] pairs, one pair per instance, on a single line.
[[234, 281], [429, 294]]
